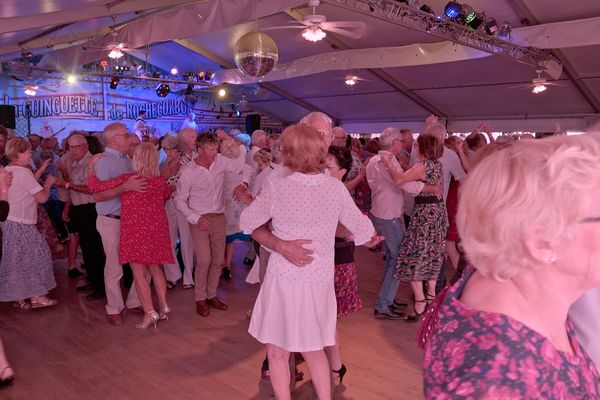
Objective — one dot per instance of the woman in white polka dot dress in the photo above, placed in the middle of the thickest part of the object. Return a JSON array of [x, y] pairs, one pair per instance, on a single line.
[[296, 309]]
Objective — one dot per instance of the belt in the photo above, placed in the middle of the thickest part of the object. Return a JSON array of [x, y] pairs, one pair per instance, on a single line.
[[113, 216], [212, 215], [427, 200]]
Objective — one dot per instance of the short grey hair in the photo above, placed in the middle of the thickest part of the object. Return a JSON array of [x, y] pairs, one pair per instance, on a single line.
[[316, 115], [437, 130], [112, 129], [386, 140], [258, 135], [170, 141]]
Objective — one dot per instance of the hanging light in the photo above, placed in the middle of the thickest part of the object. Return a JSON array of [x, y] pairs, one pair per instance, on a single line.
[[114, 82], [30, 92], [174, 71], [71, 78], [115, 54], [452, 10], [162, 90], [222, 92], [350, 81], [539, 88], [313, 34]]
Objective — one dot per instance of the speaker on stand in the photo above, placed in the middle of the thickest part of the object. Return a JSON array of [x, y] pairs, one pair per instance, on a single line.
[[252, 123], [8, 116]]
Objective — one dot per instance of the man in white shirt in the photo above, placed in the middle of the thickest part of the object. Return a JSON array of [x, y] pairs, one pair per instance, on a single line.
[[199, 197], [387, 215], [140, 128], [259, 140], [187, 143], [190, 122]]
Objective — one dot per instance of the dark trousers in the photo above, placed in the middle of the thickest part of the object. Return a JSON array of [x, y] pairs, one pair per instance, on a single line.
[[83, 218], [54, 209]]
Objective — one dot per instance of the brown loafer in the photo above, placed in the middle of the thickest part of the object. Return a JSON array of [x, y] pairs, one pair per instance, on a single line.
[[216, 303], [202, 308], [114, 319]]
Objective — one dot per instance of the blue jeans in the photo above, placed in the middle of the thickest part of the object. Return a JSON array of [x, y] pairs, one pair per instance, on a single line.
[[393, 231]]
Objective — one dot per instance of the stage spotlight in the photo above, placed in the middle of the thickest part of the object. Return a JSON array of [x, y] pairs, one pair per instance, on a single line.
[[174, 71], [71, 78], [30, 92], [162, 90], [222, 92], [427, 9], [491, 27], [504, 31], [156, 74], [114, 82], [452, 10], [474, 20], [189, 89], [209, 76]]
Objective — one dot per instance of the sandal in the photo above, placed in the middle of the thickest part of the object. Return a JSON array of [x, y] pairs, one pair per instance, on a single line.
[[171, 285], [41, 303], [187, 286], [22, 304], [4, 382], [417, 315]]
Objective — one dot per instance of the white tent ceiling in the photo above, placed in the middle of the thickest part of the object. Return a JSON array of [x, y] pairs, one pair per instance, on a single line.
[[201, 34]]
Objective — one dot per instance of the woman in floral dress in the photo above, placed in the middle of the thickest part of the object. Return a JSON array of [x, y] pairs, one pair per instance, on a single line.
[[423, 250]]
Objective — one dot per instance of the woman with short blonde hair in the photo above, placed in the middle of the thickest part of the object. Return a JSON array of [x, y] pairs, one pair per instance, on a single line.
[[26, 270], [144, 240], [303, 149], [530, 225]]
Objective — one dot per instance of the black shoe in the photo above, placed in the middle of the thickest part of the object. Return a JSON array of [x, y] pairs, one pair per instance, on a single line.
[[388, 314], [75, 273], [84, 287], [95, 295], [248, 261], [226, 274], [396, 307]]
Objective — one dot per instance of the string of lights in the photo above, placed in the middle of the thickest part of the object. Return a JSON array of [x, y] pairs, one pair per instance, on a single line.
[[422, 18]]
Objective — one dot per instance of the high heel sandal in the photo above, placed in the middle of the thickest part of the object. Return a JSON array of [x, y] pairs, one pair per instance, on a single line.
[[149, 319], [417, 316], [164, 313], [4, 382], [340, 372]]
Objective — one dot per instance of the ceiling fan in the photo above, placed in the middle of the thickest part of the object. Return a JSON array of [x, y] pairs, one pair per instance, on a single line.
[[31, 90], [352, 79], [115, 49], [315, 25], [538, 85]]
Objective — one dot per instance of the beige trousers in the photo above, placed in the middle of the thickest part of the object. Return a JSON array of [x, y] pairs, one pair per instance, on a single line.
[[210, 255], [110, 229]]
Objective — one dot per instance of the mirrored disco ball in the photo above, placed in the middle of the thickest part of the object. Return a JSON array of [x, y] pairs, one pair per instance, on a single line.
[[256, 54]]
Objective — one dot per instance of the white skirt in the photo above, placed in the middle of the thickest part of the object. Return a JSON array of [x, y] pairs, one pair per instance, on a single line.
[[296, 317]]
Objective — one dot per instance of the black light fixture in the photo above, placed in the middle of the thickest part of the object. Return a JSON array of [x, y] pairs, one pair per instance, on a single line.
[[427, 9], [491, 27], [504, 31], [156, 74], [114, 82], [189, 89], [208, 76], [188, 76], [474, 20], [162, 90], [452, 10]]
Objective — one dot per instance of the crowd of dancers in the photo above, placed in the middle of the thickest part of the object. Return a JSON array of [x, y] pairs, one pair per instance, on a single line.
[[520, 239]]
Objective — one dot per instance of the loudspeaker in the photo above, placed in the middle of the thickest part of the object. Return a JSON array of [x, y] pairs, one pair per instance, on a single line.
[[7, 116], [252, 123]]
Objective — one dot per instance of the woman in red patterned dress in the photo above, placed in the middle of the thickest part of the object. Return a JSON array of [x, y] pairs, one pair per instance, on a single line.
[[145, 242]]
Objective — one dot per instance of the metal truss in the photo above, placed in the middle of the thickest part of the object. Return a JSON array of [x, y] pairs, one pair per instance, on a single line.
[[405, 15]]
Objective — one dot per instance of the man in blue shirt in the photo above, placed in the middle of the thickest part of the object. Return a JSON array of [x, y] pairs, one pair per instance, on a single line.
[[108, 205]]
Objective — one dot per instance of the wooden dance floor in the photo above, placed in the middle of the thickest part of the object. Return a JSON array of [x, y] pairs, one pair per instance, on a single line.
[[71, 352]]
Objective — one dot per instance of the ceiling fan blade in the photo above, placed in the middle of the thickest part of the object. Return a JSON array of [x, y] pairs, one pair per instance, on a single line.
[[344, 32], [274, 28], [520, 86], [344, 24]]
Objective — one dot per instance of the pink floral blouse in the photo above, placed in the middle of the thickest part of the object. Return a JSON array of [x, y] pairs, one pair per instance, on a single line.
[[483, 355]]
